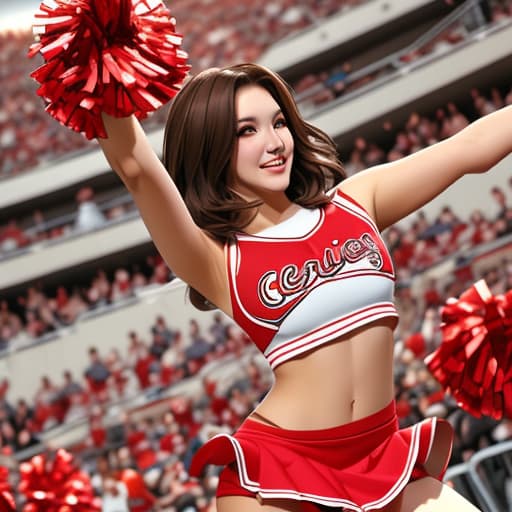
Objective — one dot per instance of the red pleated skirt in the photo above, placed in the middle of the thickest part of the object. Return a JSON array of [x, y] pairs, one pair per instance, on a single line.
[[362, 465]]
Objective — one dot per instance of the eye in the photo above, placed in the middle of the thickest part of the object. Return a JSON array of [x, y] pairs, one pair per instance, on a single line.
[[245, 130], [280, 123]]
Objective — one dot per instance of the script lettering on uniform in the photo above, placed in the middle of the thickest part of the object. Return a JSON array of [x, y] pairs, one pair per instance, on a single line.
[[275, 286]]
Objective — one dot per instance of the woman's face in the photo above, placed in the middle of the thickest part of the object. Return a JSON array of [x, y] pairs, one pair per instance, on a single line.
[[263, 155]]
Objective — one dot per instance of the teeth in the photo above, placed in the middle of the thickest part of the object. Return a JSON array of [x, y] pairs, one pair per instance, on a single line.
[[279, 161]]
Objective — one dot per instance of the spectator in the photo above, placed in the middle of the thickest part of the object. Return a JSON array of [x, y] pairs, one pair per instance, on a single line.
[[97, 374], [115, 495], [7, 436], [23, 416], [159, 344], [118, 378], [139, 280], [161, 272], [173, 362], [25, 439], [88, 216], [99, 292], [134, 344], [482, 105], [66, 394], [38, 228], [121, 287], [12, 237], [9, 319], [500, 201], [455, 121], [198, 348], [178, 490], [139, 497], [73, 308], [141, 449], [45, 414], [147, 367], [163, 329], [408, 307], [113, 492]]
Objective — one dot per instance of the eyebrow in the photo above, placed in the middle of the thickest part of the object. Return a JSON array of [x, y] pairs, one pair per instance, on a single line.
[[253, 119]]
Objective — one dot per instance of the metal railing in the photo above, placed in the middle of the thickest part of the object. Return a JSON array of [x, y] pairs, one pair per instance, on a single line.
[[486, 478], [392, 65], [68, 220]]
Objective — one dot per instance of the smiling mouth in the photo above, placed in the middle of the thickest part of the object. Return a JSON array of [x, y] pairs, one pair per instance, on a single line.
[[278, 162]]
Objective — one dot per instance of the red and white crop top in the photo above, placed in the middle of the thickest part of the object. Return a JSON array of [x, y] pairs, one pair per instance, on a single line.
[[317, 275]]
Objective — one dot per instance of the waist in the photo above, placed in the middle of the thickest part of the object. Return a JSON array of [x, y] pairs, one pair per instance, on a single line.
[[383, 417], [349, 378]]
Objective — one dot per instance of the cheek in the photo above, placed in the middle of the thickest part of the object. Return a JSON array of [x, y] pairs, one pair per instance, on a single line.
[[288, 140], [249, 154]]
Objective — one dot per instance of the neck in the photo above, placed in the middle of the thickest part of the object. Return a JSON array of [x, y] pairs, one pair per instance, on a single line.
[[271, 214]]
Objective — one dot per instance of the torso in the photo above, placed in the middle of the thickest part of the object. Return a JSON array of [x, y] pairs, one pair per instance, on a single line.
[[347, 378]]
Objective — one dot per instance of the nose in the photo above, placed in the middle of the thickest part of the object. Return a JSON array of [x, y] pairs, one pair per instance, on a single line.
[[275, 144]]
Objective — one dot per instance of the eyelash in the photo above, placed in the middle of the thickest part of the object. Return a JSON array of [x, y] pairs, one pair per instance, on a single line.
[[245, 129]]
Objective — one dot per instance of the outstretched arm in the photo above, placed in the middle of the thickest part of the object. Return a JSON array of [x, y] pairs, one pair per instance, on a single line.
[[192, 255], [392, 191]]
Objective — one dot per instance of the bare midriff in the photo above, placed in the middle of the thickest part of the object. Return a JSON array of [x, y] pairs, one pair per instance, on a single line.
[[342, 381]]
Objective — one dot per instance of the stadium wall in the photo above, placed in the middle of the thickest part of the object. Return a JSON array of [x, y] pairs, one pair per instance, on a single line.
[[336, 30]]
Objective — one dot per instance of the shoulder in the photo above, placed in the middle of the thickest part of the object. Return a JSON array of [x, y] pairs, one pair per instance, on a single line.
[[358, 192]]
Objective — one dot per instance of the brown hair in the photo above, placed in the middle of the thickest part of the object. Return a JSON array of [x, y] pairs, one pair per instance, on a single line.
[[200, 141]]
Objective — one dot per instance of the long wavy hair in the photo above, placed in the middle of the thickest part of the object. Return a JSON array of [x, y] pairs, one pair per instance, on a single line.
[[200, 144]]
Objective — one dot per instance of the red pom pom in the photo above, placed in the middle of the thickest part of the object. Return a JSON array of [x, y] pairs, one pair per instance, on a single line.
[[7, 503], [474, 360], [120, 57], [416, 343], [56, 486]]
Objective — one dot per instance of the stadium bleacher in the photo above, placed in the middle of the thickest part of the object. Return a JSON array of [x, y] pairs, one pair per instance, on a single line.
[[100, 352]]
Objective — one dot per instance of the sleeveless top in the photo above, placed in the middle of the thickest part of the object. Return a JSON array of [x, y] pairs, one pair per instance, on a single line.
[[310, 279]]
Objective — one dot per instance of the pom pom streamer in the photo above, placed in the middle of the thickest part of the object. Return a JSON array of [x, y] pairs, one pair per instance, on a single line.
[[474, 360], [56, 486], [120, 57], [7, 503]]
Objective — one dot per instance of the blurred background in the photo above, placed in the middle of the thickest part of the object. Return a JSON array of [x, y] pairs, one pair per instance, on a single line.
[[100, 351]]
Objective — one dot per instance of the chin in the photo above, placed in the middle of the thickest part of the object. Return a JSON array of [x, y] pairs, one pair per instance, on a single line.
[[282, 186]]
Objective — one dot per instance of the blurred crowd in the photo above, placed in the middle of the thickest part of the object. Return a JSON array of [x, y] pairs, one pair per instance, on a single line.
[[415, 247], [146, 452], [317, 88], [39, 312], [425, 243], [85, 212], [143, 458], [139, 462], [29, 137], [155, 446], [420, 131], [158, 359]]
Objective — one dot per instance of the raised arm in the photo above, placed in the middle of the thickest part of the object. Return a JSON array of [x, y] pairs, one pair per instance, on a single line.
[[192, 255], [130, 61], [392, 191]]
